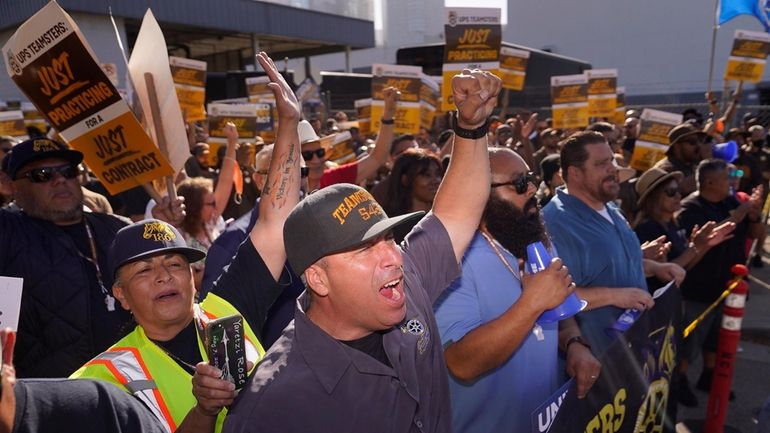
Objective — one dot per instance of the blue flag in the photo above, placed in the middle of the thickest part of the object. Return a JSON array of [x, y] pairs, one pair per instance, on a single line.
[[729, 9]]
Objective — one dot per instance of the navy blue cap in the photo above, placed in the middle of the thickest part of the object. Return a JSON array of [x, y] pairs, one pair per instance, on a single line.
[[36, 149], [148, 238]]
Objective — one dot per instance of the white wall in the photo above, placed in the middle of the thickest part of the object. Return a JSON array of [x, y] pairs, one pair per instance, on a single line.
[[99, 33], [659, 46]]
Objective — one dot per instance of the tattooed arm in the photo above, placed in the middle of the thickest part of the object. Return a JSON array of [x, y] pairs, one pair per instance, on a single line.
[[281, 192]]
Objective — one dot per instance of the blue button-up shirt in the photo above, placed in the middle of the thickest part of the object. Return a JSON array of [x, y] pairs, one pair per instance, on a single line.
[[597, 253]]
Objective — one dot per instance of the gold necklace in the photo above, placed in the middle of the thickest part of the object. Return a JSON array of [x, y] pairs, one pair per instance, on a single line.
[[499, 254]]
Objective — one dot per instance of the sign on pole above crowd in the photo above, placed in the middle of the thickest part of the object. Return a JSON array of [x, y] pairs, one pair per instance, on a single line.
[[150, 55], [407, 79], [247, 118], [473, 37], [364, 115], [620, 106], [652, 144], [190, 82], [12, 124], [602, 92], [569, 99], [513, 67], [748, 56], [51, 62]]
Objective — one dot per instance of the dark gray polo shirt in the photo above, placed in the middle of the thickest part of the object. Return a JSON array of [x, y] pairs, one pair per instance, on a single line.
[[310, 382]]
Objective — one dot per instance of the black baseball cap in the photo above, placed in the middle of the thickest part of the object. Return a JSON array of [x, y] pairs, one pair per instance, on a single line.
[[148, 238], [36, 149], [335, 219]]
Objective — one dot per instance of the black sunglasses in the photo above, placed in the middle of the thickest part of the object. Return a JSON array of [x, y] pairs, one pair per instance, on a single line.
[[671, 192], [45, 174], [521, 182], [307, 155]]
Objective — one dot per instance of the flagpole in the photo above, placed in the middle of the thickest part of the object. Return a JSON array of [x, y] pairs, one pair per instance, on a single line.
[[713, 42]]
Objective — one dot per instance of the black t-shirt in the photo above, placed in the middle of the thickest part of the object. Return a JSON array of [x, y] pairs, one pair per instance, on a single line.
[[707, 279], [650, 230], [107, 325], [372, 346], [249, 286], [78, 405]]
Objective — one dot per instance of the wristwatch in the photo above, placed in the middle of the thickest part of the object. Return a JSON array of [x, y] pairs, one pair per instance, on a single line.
[[471, 134], [385, 121], [576, 339]]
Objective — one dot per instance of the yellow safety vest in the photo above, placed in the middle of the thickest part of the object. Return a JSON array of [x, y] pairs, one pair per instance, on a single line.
[[143, 369]]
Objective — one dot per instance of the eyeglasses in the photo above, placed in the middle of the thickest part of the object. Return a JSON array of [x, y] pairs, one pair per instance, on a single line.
[[45, 174], [691, 142], [671, 192], [307, 155], [521, 182]]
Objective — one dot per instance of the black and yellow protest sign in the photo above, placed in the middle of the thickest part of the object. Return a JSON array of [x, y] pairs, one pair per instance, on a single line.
[[243, 116], [472, 37], [257, 89], [339, 150], [748, 56], [51, 62], [408, 80], [190, 83], [633, 390], [12, 123], [620, 106], [33, 118], [513, 67], [569, 101], [652, 144], [429, 100], [364, 114], [602, 92]]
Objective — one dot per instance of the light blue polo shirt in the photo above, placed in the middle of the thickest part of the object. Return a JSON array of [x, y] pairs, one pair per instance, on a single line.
[[597, 253], [504, 399]]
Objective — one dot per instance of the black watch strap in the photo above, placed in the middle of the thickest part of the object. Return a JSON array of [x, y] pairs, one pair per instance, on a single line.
[[471, 134], [385, 121], [576, 339]]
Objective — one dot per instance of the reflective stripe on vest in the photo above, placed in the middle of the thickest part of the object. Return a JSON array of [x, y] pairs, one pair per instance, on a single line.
[[126, 364]]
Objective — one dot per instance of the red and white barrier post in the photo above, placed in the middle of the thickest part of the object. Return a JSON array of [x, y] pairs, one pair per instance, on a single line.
[[729, 336]]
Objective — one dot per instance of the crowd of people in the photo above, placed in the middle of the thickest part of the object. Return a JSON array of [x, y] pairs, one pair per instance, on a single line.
[[384, 294]]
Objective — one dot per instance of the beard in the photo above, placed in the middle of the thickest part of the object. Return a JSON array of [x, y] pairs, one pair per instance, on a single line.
[[515, 228]]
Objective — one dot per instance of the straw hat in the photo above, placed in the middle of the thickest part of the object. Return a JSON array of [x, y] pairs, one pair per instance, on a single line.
[[650, 179]]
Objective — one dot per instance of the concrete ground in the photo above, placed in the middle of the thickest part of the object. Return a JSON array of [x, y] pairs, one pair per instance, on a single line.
[[751, 379]]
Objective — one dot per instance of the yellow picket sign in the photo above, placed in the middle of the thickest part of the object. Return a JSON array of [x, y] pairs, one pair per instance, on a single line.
[[652, 144], [748, 56], [190, 83], [12, 123], [472, 40], [513, 67], [602, 98], [51, 62], [569, 101]]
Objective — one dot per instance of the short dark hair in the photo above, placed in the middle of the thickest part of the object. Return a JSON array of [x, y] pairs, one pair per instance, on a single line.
[[573, 150], [601, 127], [708, 166], [399, 139]]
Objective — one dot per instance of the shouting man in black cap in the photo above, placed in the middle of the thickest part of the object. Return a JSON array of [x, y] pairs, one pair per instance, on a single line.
[[68, 312], [363, 352]]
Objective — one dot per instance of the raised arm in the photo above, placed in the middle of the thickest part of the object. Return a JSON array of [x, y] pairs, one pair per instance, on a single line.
[[281, 192], [369, 164], [225, 180], [463, 193]]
